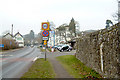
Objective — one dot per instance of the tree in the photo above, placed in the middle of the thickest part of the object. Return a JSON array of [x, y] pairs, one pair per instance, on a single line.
[[62, 31], [52, 25], [39, 37], [108, 22], [72, 27], [5, 32], [31, 35], [116, 15]]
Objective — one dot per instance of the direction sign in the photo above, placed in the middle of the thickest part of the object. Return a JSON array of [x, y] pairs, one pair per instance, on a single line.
[[45, 33], [45, 38], [1, 45], [45, 26]]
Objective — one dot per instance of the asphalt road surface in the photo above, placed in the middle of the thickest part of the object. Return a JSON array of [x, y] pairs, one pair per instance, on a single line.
[[14, 63]]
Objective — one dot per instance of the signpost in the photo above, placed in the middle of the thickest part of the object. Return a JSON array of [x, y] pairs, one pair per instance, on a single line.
[[45, 34]]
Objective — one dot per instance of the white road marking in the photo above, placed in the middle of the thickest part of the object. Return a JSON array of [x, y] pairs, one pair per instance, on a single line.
[[35, 59], [6, 55]]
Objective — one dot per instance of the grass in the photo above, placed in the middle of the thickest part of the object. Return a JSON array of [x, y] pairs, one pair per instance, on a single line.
[[49, 49], [40, 69], [76, 68], [0, 50], [42, 50]]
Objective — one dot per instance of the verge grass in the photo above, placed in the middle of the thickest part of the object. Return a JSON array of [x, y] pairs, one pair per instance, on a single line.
[[77, 68], [42, 50], [40, 69]]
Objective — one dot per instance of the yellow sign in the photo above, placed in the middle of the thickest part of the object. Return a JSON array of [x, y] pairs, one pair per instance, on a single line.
[[45, 26], [45, 42]]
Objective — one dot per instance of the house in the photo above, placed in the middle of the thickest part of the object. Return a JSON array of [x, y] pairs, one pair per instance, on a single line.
[[8, 36], [62, 35], [19, 39]]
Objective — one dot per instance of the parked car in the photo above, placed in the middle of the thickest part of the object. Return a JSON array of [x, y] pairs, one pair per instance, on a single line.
[[55, 46], [32, 46], [40, 46], [59, 46], [64, 48]]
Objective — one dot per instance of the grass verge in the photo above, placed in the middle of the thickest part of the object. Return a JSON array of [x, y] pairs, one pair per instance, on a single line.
[[42, 50], [40, 69], [77, 68]]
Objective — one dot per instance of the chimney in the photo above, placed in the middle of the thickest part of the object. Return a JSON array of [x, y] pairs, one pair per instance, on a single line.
[[12, 30]]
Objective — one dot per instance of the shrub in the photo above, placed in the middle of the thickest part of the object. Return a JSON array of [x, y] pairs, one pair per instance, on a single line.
[[8, 44]]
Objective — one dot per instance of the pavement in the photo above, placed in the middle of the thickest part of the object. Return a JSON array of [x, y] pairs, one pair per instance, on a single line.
[[60, 71]]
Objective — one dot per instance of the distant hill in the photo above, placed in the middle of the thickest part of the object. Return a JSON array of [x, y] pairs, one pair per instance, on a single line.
[[89, 31]]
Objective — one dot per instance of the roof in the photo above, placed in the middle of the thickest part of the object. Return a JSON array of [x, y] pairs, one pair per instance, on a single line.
[[18, 33], [8, 34]]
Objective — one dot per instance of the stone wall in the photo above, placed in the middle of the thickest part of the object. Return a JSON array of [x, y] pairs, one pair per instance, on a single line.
[[100, 50]]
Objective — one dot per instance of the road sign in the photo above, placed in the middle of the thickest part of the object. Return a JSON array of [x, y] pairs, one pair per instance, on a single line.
[[45, 42], [1, 45], [45, 26], [45, 33], [45, 38]]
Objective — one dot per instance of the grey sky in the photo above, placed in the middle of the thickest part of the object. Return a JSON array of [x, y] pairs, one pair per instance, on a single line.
[[27, 15]]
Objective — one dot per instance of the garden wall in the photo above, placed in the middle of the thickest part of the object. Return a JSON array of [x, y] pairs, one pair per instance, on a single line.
[[100, 50]]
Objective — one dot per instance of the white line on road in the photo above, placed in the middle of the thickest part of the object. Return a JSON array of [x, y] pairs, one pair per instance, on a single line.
[[35, 59], [6, 55]]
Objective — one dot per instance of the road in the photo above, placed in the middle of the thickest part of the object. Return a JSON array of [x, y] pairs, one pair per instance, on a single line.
[[14, 63]]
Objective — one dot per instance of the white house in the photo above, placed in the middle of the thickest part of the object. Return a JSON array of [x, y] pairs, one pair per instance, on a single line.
[[19, 39], [68, 34], [61, 35]]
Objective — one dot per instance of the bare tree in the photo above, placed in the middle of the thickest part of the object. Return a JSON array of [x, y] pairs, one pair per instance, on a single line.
[[115, 16], [62, 31], [5, 32]]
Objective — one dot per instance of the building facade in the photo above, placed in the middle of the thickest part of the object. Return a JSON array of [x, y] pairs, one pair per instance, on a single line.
[[19, 39]]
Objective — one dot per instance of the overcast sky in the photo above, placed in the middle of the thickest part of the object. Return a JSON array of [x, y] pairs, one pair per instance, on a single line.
[[27, 15]]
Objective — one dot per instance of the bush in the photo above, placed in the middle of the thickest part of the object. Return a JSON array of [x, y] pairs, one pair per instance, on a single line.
[[7, 44]]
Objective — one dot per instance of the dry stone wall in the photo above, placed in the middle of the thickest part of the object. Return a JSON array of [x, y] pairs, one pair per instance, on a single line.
[[100, 50]]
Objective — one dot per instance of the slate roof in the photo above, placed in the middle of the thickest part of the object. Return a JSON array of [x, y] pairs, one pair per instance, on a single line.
[[8, 34], [18, 33]]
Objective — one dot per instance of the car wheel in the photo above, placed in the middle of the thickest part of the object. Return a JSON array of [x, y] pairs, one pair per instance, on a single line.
[[68, 50], [62, 50]]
